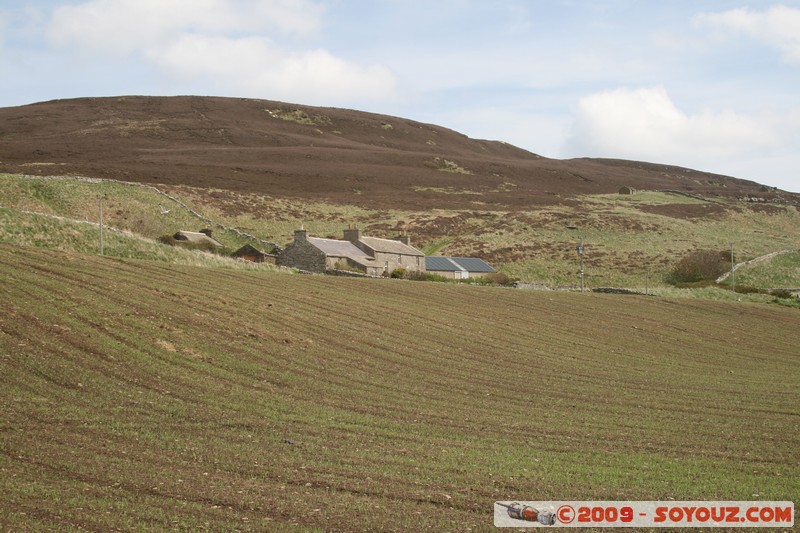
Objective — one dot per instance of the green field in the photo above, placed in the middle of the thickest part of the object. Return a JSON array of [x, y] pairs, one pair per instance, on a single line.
[[148, 395]]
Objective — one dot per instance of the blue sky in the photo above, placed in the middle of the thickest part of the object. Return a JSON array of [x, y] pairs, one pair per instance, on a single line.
[[712, 85]]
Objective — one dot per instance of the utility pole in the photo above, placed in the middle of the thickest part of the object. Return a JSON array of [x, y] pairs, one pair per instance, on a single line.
[[100, 204], [733, 270], [580, 254]]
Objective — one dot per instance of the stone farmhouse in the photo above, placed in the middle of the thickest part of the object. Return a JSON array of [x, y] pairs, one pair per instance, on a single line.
[[369, 255]]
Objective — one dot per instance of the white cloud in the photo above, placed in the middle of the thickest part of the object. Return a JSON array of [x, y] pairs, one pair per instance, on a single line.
[[646, 124], [254, 66], [224, 44], [124, 26], [778, 26]]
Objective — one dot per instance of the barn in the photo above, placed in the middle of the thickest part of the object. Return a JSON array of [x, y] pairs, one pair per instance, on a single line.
[[198, 237], [248, 252]]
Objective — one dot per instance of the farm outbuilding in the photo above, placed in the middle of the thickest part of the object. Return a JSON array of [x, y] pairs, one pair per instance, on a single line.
[[626, 190], [248, 252], [458, 267], [196, 237]]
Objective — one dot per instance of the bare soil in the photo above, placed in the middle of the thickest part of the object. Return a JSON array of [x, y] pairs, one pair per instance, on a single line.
[[146, 396]]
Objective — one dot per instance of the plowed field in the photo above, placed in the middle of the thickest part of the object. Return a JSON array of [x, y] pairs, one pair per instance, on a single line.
[[138, 395]]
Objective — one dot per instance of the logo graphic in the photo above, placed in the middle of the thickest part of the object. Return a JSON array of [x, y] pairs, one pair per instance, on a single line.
[[566, 514], [517, 511], [644, 514]]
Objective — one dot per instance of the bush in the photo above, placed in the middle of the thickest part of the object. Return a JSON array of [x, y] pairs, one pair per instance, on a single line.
[[415, 275], [399, 273], [745, 289], [498, 278], [700, 265], [782, 293]]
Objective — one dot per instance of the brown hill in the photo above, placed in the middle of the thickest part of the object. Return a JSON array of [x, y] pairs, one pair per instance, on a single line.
[[337, 155]]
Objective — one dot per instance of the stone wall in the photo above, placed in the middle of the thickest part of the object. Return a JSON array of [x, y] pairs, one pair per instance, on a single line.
[[303, 255], [394, 261], [448, 274], [346, 263]]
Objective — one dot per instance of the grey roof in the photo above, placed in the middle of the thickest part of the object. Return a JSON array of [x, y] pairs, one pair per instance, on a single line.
[[336, 248], [453, 264], [197, 237], [249, 248], [441, 264], [390, 246]]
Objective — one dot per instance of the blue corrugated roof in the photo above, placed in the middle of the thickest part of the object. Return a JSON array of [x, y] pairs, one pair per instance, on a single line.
[[473, 264], [454, 264], [442, 264]]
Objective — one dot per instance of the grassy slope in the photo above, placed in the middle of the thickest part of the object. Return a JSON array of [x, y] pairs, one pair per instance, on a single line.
[[625, 236], [773, 273], [48, 231], [138, 394]]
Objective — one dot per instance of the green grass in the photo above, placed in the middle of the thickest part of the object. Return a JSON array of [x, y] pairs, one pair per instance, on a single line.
[[144, 395], [433, 248], [128, 207], [625, 245], [779, 271], [53, 233]]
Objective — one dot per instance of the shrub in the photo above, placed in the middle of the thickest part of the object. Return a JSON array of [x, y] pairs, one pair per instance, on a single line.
[[700, 265], [745, 289], [399, 273], [782, 293], [415, 275], [498, 278]]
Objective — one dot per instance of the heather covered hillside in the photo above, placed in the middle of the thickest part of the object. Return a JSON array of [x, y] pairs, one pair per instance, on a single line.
[[326, 154]]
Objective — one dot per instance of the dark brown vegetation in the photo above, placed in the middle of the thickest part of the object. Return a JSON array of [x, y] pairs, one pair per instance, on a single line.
[[701, 265], [336, 155]]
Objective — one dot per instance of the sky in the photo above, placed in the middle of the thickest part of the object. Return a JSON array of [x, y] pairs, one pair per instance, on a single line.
[[712, 85]]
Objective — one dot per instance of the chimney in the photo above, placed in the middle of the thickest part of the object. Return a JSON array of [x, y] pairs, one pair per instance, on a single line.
[[205, 231], [352, 234], [405, 239], [300, 235]]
